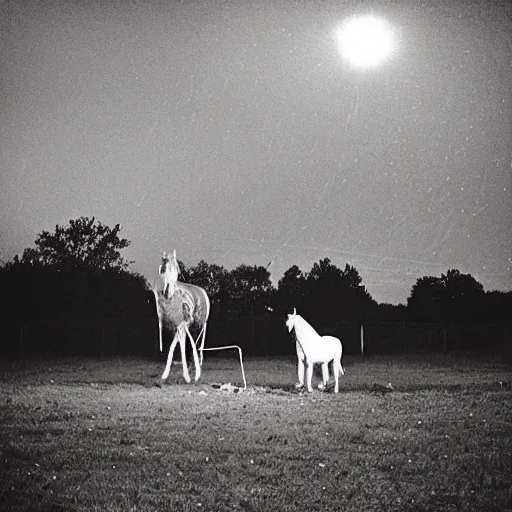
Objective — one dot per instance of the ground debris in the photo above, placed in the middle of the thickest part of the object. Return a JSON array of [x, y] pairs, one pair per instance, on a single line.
[[227, 387], [382, 389]]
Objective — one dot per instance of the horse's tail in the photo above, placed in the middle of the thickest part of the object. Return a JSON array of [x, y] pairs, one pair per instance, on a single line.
[[197, 361], [337, 360]]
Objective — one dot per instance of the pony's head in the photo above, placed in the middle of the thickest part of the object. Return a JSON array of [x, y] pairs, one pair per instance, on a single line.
[[290, 322], [169, 270]]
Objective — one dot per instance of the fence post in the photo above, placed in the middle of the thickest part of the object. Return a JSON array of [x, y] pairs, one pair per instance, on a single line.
[[362, 339]]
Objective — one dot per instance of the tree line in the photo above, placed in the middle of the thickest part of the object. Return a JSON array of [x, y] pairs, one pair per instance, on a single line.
[[78, 272]]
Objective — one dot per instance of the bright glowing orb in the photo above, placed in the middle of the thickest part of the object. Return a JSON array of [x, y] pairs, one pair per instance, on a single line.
[[366, 41]]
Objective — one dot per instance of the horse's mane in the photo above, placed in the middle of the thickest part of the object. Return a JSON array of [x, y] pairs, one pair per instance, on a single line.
[[305, 325], [168, 263]]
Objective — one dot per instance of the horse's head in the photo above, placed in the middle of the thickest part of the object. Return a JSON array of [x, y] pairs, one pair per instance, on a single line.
[[290, 322], [169, 270]]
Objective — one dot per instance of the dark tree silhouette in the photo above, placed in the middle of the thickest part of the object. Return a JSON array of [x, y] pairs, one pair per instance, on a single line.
[[390, 313], [211, 277], [426, 299], [453, 296], [84, 242], [290, 290], [497, 307], [72, 277], [249, 289], [215, 280], [458, 285], [77, 274], [333, 295]]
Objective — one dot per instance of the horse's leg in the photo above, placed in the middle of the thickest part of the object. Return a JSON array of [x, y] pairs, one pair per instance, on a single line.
[[325, 376], [309, 374], [169, 357], [207, 305], [183, 340], [160, 335], [159, 315], [202, 335], [300, 370], [194, 352]]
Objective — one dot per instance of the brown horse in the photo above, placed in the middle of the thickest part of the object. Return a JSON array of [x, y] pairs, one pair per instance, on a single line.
[[194, 298], [180, 306]]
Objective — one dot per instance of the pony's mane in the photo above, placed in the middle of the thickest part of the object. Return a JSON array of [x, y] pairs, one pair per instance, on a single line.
[[304, 324]]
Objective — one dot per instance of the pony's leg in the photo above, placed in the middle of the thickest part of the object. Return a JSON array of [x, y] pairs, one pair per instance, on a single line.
[[194, 352], [309, 375], [338, 370], [169, 357], [325, 376], [300, 372], [183, 340]]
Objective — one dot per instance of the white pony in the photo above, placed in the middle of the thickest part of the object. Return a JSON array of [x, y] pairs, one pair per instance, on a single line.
[[313, 348]]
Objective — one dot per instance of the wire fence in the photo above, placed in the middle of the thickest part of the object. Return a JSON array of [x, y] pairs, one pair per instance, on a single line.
[[256, 335]]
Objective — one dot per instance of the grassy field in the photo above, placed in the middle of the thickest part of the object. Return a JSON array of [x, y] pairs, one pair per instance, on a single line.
[[103, 435]]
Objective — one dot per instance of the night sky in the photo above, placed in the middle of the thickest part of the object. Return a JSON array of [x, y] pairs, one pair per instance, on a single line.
[[236, 132]]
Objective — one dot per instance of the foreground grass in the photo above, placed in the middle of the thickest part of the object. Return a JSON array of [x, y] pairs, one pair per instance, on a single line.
[[98, 435]]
